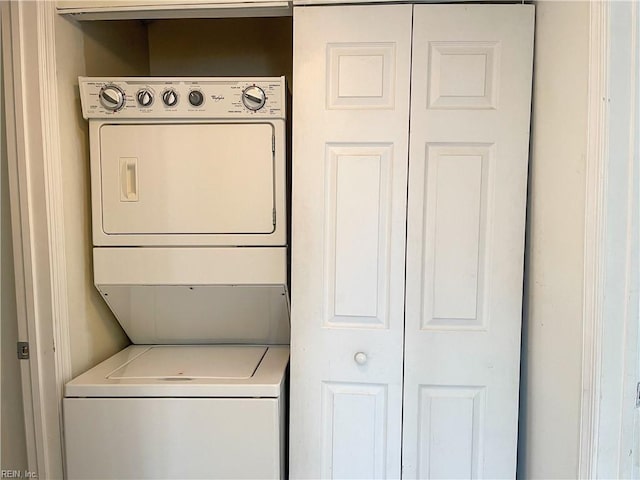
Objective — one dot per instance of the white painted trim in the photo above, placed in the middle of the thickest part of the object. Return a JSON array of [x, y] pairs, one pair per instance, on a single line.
[[36, 177], [46, 16], [13, 119], [594, 236], [54, 193], [619, 371], [610, 343], [1, 139], [630, 374]]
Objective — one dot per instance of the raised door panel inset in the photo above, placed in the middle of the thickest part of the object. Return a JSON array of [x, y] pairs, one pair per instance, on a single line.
[[360, 75], [358, 188], [456, 181], [463, 75], [450, 435], [354, 418]]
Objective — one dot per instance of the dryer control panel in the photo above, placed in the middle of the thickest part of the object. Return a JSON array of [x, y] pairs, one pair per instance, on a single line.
[[182, 97]]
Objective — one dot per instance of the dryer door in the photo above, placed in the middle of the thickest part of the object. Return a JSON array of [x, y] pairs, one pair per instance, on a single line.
[[187, 179]]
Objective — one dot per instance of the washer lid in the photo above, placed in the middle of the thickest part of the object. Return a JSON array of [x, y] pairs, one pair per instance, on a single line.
[[191, 362], [170, 371]]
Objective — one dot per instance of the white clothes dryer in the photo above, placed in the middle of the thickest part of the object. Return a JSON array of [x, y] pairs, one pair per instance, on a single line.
[[188, 179]]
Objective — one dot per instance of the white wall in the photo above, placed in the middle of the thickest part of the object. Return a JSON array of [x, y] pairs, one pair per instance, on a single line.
[[552, 329], [13, 447]]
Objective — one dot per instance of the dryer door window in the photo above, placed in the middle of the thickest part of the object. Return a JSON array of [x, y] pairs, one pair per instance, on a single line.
[[187, 179]]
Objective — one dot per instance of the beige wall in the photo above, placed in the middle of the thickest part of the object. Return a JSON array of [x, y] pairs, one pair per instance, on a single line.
[[114, 48], [13, 447], [552, 330], [94, 333], [221, 47]]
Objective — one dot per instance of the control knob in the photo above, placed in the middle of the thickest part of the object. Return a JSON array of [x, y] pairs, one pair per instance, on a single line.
[[112, 97], [145, 97], [170, 97], [253, 98], [196, 98]]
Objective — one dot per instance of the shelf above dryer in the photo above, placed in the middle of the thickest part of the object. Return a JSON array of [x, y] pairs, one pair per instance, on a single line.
[[163, 9]]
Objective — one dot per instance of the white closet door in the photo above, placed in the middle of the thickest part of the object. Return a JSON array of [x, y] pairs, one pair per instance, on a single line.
[[350, 153], [471, 84]]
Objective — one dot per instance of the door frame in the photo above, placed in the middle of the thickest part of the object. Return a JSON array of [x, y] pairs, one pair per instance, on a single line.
[[35, 181], [610, 343], [35, 176], [597, 135]]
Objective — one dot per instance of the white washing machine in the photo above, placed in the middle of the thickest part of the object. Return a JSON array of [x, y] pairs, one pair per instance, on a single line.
[[190, 253]]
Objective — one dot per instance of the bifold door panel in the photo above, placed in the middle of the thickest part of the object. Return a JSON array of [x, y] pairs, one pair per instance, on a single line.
[[444, 355], [350, 148], [470, 104], [187, 179]]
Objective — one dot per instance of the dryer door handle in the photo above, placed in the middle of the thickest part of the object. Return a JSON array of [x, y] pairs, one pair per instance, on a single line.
[[128, 179]]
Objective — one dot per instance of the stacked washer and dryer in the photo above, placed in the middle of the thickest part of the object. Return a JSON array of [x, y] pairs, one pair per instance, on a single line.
[[188, 189]]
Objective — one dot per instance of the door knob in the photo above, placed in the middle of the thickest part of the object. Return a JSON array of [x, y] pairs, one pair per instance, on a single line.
[[360, 358]]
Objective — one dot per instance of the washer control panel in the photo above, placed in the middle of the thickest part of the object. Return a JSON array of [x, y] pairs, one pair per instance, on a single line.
[[182, 97]]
